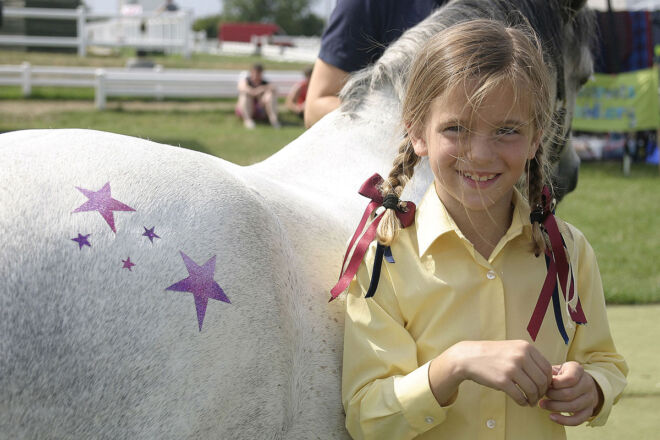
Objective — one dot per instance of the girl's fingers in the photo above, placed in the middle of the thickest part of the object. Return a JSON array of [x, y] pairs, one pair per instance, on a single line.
[[544, 366], [571, 406], [581, 387], [516, 393], [564, 394], [572, 420], [569, 375], [527, 387], [539, 376]]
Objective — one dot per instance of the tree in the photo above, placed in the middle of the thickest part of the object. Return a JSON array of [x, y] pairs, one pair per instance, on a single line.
[[208, 24], [293, 16]]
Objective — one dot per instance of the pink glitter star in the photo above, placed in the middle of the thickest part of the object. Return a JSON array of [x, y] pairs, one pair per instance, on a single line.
[[128, 264], [82, 240], [102, 202], [201, 284]]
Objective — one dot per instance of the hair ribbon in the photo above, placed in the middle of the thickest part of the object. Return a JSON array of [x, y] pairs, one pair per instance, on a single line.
[[369, 189], [558, 269]]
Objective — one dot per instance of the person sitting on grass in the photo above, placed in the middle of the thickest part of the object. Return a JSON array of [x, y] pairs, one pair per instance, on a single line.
[[295, 100], [256, 99]]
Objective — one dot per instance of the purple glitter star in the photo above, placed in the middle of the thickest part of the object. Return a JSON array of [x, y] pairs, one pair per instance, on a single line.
[[128, 264], [149, 233], [82, 240], [102, 202], [201, 284]]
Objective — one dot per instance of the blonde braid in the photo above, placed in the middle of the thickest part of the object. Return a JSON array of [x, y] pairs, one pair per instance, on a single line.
[[536, 179], [402, 171]]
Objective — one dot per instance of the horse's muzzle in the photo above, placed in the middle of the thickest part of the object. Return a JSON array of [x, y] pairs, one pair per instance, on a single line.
[[566, 171]]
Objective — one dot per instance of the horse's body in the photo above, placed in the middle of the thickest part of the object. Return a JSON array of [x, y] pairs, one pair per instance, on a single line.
[[92, 347]]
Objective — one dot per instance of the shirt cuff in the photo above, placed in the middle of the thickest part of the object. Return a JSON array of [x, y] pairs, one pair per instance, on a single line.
[[608, 398], [338, 61], [418, 404]]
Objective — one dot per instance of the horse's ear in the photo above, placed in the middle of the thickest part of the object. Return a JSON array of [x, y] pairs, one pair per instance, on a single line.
[[571, 7]]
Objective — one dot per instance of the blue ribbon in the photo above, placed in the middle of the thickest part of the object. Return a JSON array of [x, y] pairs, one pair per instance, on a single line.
[[375, 272], [388, 255], [556, 306], [378, 263]]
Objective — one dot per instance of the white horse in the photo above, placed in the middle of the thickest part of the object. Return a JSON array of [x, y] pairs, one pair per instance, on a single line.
[[149, 291]]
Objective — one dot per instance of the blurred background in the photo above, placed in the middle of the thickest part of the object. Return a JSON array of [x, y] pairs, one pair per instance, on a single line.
[[168, 71]]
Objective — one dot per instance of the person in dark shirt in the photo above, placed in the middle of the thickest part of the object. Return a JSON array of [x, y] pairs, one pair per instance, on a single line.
[[357, 34], [256, 99]]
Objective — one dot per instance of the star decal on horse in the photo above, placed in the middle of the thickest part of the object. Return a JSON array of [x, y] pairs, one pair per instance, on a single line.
[[82, 240], [102, 202], [201, 284]]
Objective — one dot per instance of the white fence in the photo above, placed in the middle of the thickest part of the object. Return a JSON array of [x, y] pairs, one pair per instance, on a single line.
[[155, 83], [27, 76], [170, 31]]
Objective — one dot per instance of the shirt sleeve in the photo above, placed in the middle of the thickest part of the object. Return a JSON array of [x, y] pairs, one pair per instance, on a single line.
[[385, 392], [352, 38], [592, 345]]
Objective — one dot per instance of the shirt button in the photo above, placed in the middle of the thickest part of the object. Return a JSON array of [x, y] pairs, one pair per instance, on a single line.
[[490, 423], [491, 275], [428, 419]]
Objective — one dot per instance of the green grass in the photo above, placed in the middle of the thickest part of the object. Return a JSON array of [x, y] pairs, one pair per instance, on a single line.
[[61, 93], [635, 330], [83, 93], [216, 132], [619, 215], [119, 58]]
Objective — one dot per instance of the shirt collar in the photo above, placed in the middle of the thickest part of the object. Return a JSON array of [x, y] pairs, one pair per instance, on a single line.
[[433, 220]]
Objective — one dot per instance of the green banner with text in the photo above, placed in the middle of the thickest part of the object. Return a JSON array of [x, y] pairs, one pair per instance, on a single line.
[[620, 103]]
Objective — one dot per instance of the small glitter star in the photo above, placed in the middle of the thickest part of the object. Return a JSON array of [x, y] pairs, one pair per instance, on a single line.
[[82, 240], [201, 284], [149, 233], [128, 264], [102, 202]]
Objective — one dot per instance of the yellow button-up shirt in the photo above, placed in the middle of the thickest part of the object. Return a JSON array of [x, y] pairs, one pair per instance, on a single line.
[[441, 291]]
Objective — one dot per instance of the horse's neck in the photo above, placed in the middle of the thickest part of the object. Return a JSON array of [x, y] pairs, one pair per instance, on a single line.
[[331, 160], [338, 153]]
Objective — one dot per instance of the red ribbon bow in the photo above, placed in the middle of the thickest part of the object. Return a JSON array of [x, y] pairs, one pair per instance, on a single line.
[[558, 267], [369, 189]]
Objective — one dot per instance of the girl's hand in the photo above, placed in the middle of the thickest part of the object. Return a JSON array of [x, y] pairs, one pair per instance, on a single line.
[[515, 367], [573, 391]]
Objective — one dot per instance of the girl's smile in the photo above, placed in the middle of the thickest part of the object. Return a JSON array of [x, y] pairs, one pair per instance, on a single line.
[[478, 180], [477, 154]]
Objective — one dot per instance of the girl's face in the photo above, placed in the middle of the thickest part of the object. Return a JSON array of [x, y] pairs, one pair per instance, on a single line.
[[477, 154]]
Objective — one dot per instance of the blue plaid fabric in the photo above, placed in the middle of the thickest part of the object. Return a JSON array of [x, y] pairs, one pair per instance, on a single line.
[[625, 41], [641, 55]]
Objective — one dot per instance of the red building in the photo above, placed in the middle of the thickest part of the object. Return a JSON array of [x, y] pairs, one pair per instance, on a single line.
[[243, 32]]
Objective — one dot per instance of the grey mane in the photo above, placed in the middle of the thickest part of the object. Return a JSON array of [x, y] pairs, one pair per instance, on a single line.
[[544, 16]]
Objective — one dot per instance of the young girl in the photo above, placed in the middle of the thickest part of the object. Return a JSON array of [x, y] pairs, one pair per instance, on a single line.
[[453, 337]]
